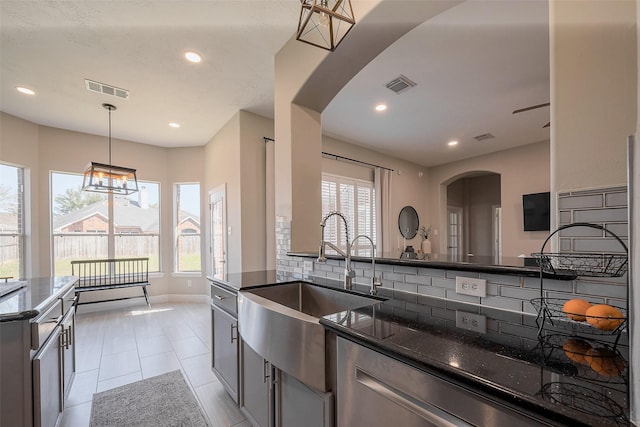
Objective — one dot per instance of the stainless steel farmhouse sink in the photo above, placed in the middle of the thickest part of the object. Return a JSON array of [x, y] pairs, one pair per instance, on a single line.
[[282, 324]]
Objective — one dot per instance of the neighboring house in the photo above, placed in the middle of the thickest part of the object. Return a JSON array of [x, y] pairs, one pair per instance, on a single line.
[[189, 223], [130, 218]]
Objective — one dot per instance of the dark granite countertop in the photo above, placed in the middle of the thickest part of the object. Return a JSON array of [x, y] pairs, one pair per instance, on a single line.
[[500, 355], [506, 359], [515, 266], [251, 279], [28, 301]]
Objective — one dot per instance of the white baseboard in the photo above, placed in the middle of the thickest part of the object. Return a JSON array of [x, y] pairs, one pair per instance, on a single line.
[[140, 302]]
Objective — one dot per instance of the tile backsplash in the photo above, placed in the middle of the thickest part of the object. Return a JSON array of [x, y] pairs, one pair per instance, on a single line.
[[606, 207]]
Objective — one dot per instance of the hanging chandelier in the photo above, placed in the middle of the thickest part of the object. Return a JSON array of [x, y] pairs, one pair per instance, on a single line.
[[108, 178], [325, 23]]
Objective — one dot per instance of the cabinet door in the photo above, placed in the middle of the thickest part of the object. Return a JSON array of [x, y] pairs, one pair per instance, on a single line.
[[67, 339], [225, 350], [47, 382], [255, 400], [300, 405]]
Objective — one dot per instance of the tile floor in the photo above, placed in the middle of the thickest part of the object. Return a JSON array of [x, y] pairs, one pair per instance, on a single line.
[[118, 347]]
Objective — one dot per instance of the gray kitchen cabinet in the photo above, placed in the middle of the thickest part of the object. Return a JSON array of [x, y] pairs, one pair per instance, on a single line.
[[225, 350], [271, 397], [47, 381], [376, 390], [256, 391], [299, 405], [37, 353], [68, 350]]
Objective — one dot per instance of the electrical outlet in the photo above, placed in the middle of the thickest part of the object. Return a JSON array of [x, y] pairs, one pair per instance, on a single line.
[[473, 287], [307, 266], [471, 321]]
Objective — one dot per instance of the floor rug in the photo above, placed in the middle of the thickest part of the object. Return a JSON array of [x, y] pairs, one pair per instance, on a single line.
[[164, 400]]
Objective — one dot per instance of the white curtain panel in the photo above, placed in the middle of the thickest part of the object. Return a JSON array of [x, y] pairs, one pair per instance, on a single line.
[[382, 181]]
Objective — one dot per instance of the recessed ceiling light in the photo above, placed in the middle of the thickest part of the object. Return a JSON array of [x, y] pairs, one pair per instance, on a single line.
[[381, 107], [193, 57], [174, 125], [25, 90], [452, 143]]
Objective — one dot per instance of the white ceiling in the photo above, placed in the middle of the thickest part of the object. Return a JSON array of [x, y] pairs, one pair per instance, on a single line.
[[474, 65]]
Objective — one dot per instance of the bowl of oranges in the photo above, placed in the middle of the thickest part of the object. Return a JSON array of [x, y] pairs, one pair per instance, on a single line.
[[583, 315], [603, 317]]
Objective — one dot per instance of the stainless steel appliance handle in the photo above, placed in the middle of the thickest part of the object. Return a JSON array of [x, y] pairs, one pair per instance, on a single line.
[[232, 337], [265, 365], [423, 409]]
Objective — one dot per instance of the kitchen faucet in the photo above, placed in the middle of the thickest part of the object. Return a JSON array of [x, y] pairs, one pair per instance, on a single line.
[[375, 283], [349, 274]]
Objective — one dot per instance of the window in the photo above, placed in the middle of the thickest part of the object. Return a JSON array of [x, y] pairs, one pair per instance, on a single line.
[[356, 200], [88, 225], [136, 224], [12, 235], [187, 228]]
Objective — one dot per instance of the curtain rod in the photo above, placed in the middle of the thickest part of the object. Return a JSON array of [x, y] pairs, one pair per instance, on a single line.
[[267, 139], [324, 153]]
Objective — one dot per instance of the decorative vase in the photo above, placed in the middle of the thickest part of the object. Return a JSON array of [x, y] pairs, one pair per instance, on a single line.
[[426, 246]]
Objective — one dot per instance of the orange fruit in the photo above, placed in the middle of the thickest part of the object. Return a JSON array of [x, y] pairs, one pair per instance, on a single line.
[[576, 308], [604, 316], [605, 362], [576, 349]]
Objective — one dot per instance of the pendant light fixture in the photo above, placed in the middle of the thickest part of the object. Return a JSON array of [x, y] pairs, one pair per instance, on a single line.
[[324, 23], [107, 178]]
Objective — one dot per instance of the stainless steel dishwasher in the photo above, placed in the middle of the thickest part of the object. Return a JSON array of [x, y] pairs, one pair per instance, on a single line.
[[376, 390]]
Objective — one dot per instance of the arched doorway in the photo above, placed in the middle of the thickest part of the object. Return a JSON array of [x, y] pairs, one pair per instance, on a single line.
[[473, 203]]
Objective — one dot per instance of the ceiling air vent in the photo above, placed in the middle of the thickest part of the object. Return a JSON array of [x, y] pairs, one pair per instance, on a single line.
[[98, 87], [483, 137], [400, 84]]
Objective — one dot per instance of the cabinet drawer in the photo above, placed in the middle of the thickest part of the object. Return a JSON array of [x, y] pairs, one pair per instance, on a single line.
[[44, 324], [397, 394], [68, 300], [224, 299]]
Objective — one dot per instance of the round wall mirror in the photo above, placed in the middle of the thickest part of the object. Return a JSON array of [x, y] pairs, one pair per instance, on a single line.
[[408, 222]]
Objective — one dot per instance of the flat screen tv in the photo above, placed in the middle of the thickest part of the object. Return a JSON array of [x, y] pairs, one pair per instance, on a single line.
[[537, 211]]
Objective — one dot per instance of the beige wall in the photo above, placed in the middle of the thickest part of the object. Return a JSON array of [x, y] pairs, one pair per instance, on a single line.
[[42, 149], [236, 157], [523, 170], [253, 189], [222, 159], [593, 91]]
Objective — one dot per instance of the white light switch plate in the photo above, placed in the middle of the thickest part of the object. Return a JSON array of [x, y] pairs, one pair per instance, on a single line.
[[473, 287]]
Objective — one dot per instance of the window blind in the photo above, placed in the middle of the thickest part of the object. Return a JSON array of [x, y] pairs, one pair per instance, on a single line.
[[356, 200]]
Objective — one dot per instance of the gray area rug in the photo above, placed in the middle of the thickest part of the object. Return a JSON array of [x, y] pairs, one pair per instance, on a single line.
[[165, 400]]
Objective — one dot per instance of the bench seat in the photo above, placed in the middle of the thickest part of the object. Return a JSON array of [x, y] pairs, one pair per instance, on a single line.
[[105, 274]]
